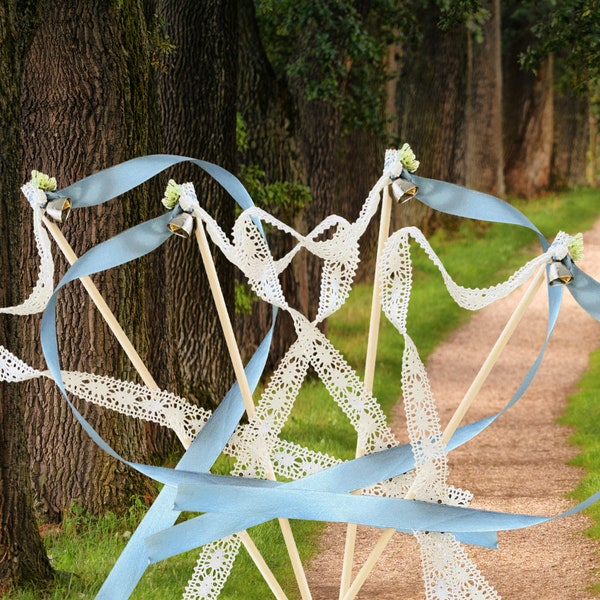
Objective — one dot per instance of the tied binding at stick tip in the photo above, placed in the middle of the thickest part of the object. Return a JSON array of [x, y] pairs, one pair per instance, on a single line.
[[183, 194], [39, 191], [399, 163]]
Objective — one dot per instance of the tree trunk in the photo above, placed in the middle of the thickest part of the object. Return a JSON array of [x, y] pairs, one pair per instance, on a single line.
[[85, 108], [528, 121], [359, 170], [23, 555], [593, 165], [484, 151], [197, 97], [571, 140], [266, 109], [431, 110]]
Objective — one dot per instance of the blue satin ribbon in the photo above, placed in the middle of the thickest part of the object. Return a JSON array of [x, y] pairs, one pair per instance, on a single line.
[[114, 181], [462, 202], [262, 499], [200, 456]]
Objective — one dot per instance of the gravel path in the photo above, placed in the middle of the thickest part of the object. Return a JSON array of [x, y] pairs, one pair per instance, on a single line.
[[519, 464]]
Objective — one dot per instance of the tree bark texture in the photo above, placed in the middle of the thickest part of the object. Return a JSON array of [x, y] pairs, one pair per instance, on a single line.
[[431, 111], [360, 164], [23, 558], [572, 140], [484, 152], [528, 122], [197, 98], [85, 108]]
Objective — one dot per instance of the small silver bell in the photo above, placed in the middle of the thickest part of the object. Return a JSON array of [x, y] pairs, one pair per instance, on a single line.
[[403, 190], [182, 225], [59, 209], [559, 274]]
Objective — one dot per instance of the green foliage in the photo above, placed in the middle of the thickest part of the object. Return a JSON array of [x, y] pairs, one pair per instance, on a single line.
[[241, 133], [161, 46], [244, 298], [470, 13], [286, 197], [332, 50], [583, 413], [571, 30]]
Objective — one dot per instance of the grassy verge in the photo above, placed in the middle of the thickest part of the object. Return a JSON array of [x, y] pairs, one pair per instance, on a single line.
[[475, 255], [583, 414]]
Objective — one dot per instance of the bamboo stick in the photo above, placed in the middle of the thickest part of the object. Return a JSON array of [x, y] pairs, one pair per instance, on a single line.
[[242, 380], [458, 415], [148, 380], [259, 561], [370, 360], [103, 307]]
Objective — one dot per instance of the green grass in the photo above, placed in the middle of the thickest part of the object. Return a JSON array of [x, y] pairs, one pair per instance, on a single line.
[[583, 414], [474, 254]]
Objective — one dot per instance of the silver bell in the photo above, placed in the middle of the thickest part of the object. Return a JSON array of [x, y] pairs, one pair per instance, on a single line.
[[182, 225], [559, 274], [59, 209], [403, 190]]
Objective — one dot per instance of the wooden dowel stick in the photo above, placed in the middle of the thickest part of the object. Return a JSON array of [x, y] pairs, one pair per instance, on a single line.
[[104, 309], [148, 380], [458, 415], [259, 561], [370, 360], [494, 354], [238, 367]]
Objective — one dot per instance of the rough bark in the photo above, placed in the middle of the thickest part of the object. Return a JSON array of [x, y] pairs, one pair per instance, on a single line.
[[197, 98], [484, 151], [23, 557], [85, 108], [431, 110], [360, 165], [528, 121], [572, 140]]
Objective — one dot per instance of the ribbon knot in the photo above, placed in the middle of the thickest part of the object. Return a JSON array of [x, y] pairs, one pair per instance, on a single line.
[[35, 196], [188, 199], [560, 246]]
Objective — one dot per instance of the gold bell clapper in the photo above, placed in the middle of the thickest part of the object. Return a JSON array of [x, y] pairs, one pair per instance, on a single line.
[[59, 209], [182, 225], [403, 190], [559, 274]]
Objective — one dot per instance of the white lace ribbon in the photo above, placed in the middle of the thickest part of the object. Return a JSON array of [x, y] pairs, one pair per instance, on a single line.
[[43, 288]]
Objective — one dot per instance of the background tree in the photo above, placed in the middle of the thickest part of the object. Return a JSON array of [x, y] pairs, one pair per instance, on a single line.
[[84, 108], [431, 102], [271, 167], [484, 156], [197, 92], [23, 556], [570, 31], [528, 106]]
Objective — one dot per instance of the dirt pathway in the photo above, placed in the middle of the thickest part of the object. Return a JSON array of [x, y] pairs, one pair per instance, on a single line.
[[516, 465]]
